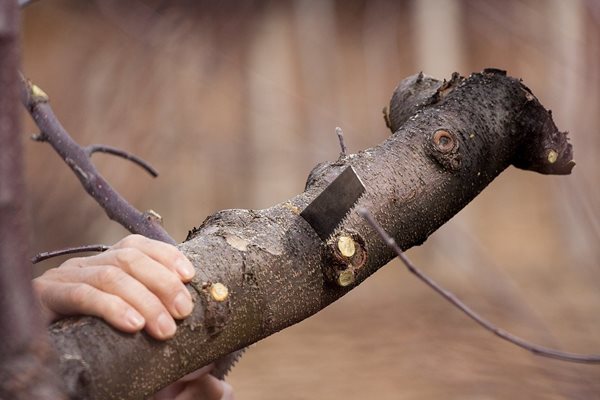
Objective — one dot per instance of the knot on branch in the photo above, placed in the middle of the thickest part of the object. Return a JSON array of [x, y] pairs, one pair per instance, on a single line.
[[445, 149]]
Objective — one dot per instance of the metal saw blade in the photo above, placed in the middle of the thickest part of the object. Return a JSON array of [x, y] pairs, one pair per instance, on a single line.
[[224, 364], [329, 208]]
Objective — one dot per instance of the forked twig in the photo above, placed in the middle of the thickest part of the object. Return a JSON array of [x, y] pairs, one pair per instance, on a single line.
[[536, 349], [78, 159], [71, 250]]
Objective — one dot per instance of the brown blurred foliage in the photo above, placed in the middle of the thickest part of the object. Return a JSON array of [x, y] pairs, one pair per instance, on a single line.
[[235, 101]]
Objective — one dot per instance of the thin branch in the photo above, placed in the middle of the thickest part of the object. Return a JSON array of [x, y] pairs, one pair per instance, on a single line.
[[340, 136], [77, 158], [71, 250], [100, 148], [536, 349]]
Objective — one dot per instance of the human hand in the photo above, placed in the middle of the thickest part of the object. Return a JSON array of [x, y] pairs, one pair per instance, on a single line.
[[137, 283]]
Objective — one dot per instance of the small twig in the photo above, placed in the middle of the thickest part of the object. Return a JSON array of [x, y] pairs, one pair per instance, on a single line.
[[340, 136], [71, 250], [77, 158], [536, 349], [100, 148]]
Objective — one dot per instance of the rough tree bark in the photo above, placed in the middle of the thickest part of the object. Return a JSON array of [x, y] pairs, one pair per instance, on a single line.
[[25, 355], [451, 140]]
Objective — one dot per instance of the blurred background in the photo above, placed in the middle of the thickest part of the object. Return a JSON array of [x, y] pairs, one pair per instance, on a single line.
[[235, 101]]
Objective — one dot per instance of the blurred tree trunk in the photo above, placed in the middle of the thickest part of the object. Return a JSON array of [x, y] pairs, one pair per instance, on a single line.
[[24, 351]]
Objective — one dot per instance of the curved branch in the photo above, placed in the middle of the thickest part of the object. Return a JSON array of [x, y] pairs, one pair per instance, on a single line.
[[532, 347], [101, 148]]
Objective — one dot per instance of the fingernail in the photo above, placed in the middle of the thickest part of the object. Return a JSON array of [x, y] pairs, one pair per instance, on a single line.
[[184, 268], [166, 325], [183, 304], [134, 319]]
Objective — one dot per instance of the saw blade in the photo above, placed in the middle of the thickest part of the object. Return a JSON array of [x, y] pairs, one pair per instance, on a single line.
[[224, 364], [325, 213]]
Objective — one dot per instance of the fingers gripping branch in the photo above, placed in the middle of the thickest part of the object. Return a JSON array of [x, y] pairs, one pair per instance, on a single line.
[[534, 348]]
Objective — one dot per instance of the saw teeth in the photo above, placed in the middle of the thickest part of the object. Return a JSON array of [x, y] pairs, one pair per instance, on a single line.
[[224, 364], [332, 206], [339, 230]]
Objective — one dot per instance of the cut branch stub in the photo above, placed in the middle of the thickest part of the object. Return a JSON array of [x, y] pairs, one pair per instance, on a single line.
[[344, 257], [546, 149]]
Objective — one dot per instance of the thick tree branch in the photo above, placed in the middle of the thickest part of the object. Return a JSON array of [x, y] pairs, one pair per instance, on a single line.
[[532, 347], [25, 356], [259, 271]]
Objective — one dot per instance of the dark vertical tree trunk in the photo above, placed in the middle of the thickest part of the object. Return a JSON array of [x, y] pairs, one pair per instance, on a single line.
[[24, 352]]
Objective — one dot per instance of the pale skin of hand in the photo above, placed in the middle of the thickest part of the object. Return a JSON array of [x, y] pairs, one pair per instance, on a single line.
[[137, 284]]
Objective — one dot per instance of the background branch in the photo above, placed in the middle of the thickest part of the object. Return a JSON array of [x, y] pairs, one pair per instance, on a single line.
[[26, 362], [77, 158], [534, 348]]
